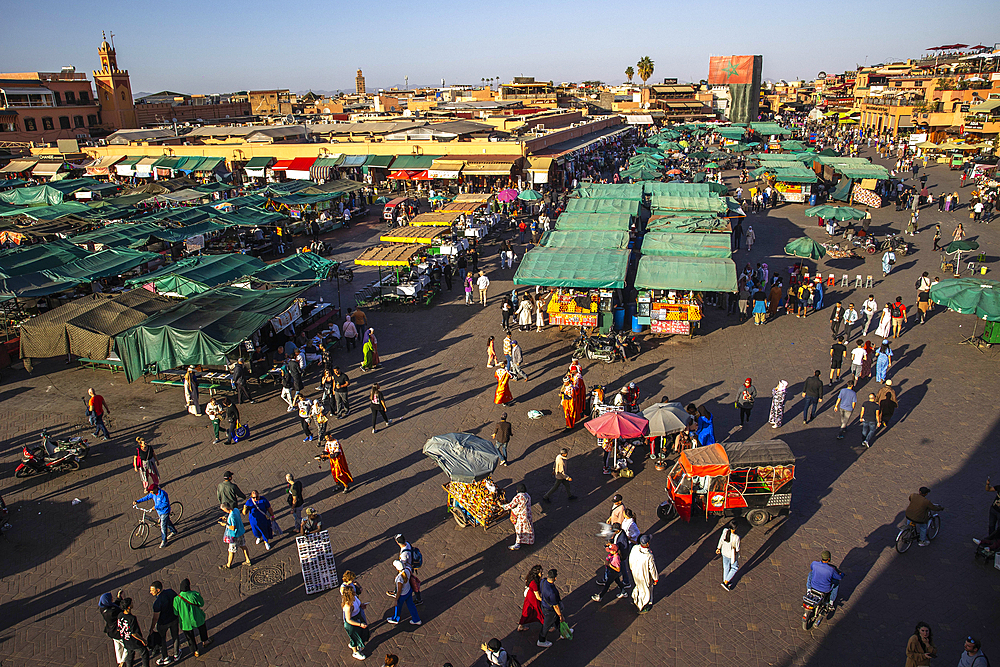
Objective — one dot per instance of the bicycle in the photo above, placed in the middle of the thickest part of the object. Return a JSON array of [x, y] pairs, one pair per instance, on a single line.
[[909, 534], [140, 533]]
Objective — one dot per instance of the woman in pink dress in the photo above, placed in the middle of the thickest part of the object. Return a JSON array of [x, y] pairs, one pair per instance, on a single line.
[[520, 516]]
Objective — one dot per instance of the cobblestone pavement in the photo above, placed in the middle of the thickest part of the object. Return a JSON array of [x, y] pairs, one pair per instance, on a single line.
[[59, 556]]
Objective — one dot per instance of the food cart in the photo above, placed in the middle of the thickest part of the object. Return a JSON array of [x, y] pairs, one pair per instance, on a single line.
[[617, 434], [406, 283], [473, 498], [749, 479], [671, 289]]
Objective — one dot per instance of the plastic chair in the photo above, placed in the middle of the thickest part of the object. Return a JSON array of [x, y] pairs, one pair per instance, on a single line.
[[831, 280], [869, 282], [857, 281]]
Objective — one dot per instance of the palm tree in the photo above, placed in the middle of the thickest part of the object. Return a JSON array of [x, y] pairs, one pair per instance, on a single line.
[[482, 81], [645, 68], [629, 72]]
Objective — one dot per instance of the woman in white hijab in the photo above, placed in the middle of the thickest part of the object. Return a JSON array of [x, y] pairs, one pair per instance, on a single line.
[[778, 404]]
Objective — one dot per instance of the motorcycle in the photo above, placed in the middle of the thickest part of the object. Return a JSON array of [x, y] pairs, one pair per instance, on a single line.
[[345, 273], [626, 345], [598, 348], [817, 607], [37, 461], [76, 445]]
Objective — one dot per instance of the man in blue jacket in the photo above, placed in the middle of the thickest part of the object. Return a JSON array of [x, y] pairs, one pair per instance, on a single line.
[[824, 577], [162, 504]]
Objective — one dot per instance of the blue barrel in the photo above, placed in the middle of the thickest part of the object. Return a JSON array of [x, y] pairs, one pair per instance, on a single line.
[[619, 314], [812, 200], [636, 327]]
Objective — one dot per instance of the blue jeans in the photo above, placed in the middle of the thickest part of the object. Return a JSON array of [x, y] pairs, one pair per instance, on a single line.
[[166, 525], [814, 402], [833, 590], [408, 600], [729, 567], [868, 431], [100, 427], [922, 530], [502, 446]]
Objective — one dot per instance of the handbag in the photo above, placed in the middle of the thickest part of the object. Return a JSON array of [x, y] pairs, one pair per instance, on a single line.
[[565, 631], [241, 432], [275, 528]]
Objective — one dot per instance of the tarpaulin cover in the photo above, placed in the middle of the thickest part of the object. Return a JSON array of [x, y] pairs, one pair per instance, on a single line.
[[37, 284], [574, 267], [187, 216], [301, 267], [28, 259], [686, 224], [178, 234], [684, 203], [250, 216], [594, 221], [121, 235], [609, 191], [674, 244], [110, 262], [200, 330], [754, 454], [70, 185], [585, 238], [86, 327], [51, 212], [684, 189], [39, 195], [464, 457], [699, 274], [769, 128], [710, 461], [629, 206], [194, 275], [843, 191]]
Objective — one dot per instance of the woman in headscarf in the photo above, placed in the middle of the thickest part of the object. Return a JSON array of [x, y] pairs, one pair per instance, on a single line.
[[368, 359], [145, 464], [338, 462], [866, 363], [579, 396], [883, 358], [751, 237], [258, 510], [566, 400], [525, 311], [370, 338], [191, 391], [111, 608], [778, 404], [539, 312], [503, 395], [520, 516]]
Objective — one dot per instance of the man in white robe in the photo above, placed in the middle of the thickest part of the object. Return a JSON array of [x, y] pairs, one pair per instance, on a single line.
[[644, 574]]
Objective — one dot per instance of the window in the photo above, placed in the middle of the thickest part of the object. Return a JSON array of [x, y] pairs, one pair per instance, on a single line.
[[64, 123], [29, 125], [123, 95], [70, 97], [47, 123], [55, 96], [84, 97], [78, 121], [92, 120], [8, 127]]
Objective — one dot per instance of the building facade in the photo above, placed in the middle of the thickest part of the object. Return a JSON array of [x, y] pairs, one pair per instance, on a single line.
[[42, 107]]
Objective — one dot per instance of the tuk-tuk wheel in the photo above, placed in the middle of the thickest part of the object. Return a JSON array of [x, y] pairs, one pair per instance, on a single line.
[[666, 511], [758, 517], [459, 517]]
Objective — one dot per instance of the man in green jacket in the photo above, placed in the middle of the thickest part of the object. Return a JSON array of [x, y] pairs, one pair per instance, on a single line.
[[188, 607]]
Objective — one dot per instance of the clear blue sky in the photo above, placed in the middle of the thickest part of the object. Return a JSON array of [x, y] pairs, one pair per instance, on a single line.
[[224, 45]]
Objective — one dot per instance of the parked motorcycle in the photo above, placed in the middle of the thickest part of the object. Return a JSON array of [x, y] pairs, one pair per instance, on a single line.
[[76, 445], [626, 345], [598, 348], [37, 461]]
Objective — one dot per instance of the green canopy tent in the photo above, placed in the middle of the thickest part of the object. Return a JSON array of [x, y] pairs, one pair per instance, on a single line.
[[628, 206], [589, 238], [194, 275], [178, 234], [970, 296], [120, 235], [676, 244], [300, 267], [49, 212], [39, 257], [686, 224], [200, 330], [684, 189], [805, 248], [573, 267], [715, 205], [632, 191], [251, 216], [110, 262], [595, 221], [36, 284], [39, 195], [699, 274], [641, 173]]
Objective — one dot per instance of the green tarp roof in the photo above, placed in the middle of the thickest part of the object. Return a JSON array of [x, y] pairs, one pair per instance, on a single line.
[[686, 224], [588, 238], [285, 188], [169, 161], [595, 221], [202, 329], [795, 175], [768, 128], [121, 235], [676, 244], [734, 133], [187, 215], [39, 257], [178, 234], [863, 171], [259, 162], [686, 203], [37, 284], [195, 275], [629, 206], [414, 161], [609, 191], [214, 187], [382, 161], [299, 199], [247, 200], [71, 185], [110, 262], [39, 195], [699, 274], [249, 216], [685, 189], [573, 267], [301, 267], [50, 212]]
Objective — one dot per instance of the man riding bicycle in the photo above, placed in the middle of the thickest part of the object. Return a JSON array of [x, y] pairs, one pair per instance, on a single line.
[[919, 512], [824, 577]]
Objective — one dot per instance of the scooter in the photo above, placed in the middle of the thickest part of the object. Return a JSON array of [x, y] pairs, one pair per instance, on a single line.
[[76, 445], [626, 345], [817, 607], [37, 461]]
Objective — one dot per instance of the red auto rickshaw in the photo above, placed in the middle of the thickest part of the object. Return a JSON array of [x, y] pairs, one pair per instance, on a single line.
[[751, 479]]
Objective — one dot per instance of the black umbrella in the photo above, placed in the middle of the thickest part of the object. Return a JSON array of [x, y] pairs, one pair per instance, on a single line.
[[465, 457]]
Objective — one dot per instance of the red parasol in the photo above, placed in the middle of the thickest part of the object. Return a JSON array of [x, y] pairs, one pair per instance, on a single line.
[[618, 425], [952, 47]]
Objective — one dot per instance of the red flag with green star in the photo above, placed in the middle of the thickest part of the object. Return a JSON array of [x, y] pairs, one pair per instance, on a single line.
[[730, 69]]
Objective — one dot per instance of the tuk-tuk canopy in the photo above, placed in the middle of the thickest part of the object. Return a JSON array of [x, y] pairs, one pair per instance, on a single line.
[[718, 459]]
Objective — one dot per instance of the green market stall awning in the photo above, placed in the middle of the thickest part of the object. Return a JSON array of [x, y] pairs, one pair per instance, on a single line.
[[301, 267], [415, 162], [37, 284], [121, 235], [39, 195], [39, 257], [573, 267], [795, 175], [609, 191], [731, 133], [379, 161], [589, 238], [684, 189], [686, 224], [250, 216], [699, 274], [110, 262], [596, 221], [178, 234], [201, 330], [51, 212], [676, 244], [684, 203], [194, 275], [768, 129], [629, 206]]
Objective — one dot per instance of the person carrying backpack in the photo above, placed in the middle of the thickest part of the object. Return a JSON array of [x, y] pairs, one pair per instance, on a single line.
[[412, 560]]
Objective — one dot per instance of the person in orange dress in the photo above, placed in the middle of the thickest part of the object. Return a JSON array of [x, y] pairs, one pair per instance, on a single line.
[[566, 399], [338, 462], [503, 395]]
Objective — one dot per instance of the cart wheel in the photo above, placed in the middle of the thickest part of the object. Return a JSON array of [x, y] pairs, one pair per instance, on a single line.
[[666, 511], [758, 517], [459, 517]]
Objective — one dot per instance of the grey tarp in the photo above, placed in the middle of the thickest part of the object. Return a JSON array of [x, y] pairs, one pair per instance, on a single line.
[[464, 457], [202, 329]]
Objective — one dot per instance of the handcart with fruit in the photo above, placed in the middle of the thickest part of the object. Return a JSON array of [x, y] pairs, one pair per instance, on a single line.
[[473, 498]]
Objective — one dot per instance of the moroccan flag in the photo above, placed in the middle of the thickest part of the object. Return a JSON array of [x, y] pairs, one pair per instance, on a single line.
[[730, 69]]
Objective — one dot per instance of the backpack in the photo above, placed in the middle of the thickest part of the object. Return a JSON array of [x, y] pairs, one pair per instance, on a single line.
[[416, 558], [896, 310]]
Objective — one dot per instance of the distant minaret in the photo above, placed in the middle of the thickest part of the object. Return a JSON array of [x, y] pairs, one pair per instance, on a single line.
[[114, 91], [359, 83]]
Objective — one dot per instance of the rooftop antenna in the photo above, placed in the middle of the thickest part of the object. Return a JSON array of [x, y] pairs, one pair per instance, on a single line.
[[112, 40]]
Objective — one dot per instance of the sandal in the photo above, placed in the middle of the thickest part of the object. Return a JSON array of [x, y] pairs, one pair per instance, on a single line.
[[225, 567]]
